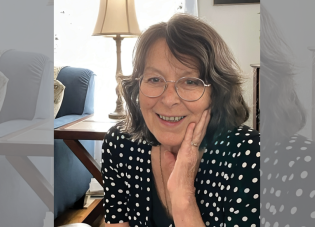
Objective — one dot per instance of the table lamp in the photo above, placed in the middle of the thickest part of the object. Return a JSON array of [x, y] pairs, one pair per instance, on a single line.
[[117, 19]]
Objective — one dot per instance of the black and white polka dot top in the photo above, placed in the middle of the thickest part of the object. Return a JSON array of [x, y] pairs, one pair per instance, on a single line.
[[227, 182]]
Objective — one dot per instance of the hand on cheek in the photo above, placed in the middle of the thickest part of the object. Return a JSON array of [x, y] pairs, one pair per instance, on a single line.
[[181, 180]]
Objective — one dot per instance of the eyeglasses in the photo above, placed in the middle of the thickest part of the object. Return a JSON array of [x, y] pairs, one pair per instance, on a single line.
[[188, 88]]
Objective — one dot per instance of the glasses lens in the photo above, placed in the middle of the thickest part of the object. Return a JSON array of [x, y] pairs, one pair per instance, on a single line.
[[152, 85], [190, 88]]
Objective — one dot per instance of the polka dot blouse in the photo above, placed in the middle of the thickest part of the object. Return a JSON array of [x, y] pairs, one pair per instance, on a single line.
[[227, 182]]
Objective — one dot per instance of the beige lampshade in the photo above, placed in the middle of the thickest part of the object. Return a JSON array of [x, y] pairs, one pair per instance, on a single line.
[[117, 17]]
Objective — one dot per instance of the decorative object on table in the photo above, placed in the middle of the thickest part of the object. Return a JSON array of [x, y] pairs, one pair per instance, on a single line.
[[59, 90], [117, 19]]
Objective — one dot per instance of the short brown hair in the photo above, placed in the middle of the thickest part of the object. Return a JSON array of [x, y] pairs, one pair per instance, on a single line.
[[188, 37]]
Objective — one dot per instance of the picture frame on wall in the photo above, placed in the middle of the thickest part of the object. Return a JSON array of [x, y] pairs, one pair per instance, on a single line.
[[223, 2]]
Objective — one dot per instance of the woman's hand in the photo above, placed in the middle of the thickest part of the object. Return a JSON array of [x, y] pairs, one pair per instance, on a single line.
[[184, 168]]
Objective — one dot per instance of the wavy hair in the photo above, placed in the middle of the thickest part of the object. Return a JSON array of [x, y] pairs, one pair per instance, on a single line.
[[189, 38]]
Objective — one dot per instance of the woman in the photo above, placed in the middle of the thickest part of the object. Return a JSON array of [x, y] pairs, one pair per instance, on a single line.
[[182, 156]]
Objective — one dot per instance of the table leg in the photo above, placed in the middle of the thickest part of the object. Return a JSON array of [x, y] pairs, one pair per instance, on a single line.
[[88, 161]]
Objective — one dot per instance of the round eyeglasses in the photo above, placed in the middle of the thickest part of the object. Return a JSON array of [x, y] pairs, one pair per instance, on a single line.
[[188, 88]]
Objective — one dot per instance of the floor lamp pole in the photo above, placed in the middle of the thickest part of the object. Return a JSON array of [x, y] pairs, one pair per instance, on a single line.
[[119, 112]]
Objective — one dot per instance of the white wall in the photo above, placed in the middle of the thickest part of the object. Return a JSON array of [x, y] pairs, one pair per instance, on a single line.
[[239, 26]]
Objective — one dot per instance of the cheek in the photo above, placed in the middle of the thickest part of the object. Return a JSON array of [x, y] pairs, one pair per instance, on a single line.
[[198, 107], [146, 105]]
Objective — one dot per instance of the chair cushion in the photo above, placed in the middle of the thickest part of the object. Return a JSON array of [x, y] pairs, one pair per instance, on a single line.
[[59, 89], [3, 88]]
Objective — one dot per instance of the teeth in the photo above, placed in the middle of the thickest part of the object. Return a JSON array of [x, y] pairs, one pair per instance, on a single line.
[[171, 119]]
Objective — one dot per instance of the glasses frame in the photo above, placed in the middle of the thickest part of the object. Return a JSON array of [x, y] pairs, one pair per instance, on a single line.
[[172, 81]]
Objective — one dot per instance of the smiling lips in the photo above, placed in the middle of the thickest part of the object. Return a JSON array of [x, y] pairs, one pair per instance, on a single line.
[[170, 119]]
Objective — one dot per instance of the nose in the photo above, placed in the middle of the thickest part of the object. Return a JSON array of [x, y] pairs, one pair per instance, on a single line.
[[170, 96]]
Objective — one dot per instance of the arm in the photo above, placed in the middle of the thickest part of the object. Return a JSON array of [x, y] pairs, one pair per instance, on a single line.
[[242, 205], [115, 198], [186, 212], [181, 181]]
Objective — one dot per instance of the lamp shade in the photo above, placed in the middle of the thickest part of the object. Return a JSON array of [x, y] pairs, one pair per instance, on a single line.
[[117, 17]]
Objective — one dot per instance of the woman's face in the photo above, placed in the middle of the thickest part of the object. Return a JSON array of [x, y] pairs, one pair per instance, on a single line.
[[161, 62]]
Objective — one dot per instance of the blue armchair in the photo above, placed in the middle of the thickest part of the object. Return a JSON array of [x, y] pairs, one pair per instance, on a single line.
[[71, 179]]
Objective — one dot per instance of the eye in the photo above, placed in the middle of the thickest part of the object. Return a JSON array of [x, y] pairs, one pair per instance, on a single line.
[[192, 82], [152, 79]]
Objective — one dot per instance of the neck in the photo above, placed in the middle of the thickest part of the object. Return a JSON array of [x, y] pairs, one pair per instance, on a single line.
[[173, 149]]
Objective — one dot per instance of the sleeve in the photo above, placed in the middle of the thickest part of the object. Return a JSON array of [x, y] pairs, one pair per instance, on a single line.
[[113, 174], [242, 202]]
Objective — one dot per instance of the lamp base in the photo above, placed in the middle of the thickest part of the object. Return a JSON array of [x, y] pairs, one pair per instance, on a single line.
[[117, 115]]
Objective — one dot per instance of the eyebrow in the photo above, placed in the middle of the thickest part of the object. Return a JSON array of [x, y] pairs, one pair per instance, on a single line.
[[160, 72]]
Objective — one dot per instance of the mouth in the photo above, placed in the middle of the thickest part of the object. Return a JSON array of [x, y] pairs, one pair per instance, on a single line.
[[171, 119]]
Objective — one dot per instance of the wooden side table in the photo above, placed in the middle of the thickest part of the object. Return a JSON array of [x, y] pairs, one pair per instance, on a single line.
[[87, 128], [256, 97]]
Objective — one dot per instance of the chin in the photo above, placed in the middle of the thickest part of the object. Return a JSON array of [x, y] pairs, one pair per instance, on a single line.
[[170, 141]]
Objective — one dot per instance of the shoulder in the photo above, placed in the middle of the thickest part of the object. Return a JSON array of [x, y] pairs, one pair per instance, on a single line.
[[117, 141], [114, 135], [244, 138], [242, 142], [242, 133], [239, 136]]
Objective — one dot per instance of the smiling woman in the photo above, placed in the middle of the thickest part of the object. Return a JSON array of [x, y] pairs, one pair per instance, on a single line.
[[182, 156]]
